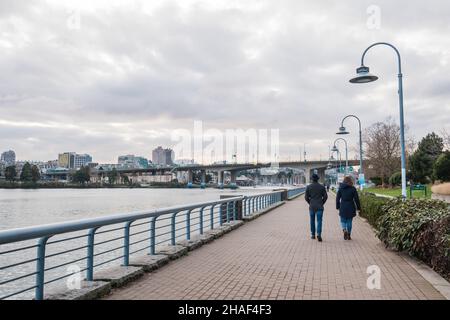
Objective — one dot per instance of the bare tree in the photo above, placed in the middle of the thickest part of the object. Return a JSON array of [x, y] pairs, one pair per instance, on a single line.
[[446, 136], [382, 148]]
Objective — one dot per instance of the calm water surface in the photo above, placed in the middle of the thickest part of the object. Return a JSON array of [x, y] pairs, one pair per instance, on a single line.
[[21, 208]]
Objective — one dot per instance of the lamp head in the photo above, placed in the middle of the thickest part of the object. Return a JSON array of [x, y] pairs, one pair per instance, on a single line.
[[335, 149], [342, 130], [363, 75]]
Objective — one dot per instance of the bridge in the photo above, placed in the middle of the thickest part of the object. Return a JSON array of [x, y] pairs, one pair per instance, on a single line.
[[240, 247], [304, 170]]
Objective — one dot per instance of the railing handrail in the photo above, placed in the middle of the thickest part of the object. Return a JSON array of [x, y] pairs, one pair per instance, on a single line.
[[33, 232]]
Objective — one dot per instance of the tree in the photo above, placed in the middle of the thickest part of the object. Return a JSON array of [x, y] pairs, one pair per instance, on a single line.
[[25, 174], [10, 173], [35, 174], [382, 151], [82, 175], [446, 137], [441, 170], [112, 176], [395, 179], [423, 159]]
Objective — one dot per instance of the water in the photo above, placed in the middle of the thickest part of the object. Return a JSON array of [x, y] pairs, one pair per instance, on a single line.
[[22, 208]]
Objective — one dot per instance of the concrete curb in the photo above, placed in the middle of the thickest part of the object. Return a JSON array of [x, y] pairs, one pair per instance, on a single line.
[[119, 276], [89, 290], [435, 279], [150, 262]]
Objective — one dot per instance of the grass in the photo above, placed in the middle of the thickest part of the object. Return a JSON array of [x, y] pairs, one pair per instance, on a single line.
[[397, 191]]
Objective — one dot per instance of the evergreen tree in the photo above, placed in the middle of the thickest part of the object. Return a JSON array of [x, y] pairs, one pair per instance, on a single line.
[[441, 170], [10, 173], [26, 174], [423, 159], [35, 174]]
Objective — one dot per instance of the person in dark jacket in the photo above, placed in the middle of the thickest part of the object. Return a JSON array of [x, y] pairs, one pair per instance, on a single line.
[[347, 202], [316, 196]]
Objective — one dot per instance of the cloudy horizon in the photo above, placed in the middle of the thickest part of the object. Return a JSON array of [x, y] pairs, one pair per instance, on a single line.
[[118, 77]]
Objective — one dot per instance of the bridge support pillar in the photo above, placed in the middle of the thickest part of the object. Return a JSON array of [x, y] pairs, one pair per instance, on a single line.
[[203, 179], [190, 176], [233, 175], [220, 179]]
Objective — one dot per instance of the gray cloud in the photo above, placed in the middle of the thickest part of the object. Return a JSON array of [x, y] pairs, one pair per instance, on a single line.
[[134, 72]]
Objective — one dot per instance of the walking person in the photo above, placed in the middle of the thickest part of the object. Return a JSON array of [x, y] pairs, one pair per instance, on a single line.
[[316, 196], [347, 202]]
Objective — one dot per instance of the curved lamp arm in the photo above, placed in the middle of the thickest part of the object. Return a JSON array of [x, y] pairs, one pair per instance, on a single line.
[[386, 44], [353, 116]]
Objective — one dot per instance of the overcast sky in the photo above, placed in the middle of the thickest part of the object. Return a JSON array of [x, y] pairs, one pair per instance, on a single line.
[[117, 77]]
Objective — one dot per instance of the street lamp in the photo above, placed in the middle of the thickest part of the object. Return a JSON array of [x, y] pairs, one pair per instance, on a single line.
[[363, 76], [342, 131], [335, 149]]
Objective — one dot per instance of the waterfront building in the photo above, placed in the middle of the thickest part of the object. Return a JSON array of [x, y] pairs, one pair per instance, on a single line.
[[8, 158], [163, 157], [73, 160], [133, 162]]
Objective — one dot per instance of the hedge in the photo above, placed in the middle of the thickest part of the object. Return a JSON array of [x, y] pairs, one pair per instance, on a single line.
[[371, 207], [420, 227]]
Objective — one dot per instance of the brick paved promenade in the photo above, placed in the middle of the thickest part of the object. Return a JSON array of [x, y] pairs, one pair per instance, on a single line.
[[273, 257]]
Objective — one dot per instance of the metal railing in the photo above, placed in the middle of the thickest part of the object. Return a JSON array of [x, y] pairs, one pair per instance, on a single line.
[[34, 258], [295, 192]]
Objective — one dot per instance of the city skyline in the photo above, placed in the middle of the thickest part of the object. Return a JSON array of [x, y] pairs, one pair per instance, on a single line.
[[121, 82]]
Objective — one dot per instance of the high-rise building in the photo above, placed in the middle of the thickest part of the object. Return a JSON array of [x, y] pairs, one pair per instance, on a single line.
[[8, 158], [73, 160], [66, 160], [82, 160], [162, 156]]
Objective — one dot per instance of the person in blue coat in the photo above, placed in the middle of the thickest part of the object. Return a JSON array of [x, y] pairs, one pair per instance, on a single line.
[[347, 202]]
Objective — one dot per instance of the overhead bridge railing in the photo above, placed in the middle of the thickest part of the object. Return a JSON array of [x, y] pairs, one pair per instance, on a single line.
[[42, 257]]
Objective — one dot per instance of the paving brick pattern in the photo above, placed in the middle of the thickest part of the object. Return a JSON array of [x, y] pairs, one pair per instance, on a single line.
[[273, 257]]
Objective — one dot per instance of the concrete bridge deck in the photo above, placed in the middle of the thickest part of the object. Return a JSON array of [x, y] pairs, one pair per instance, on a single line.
[[273, 257]]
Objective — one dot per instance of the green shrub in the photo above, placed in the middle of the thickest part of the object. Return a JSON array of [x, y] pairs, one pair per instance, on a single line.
[[371, 207], [395, 179], [441, 168], [403, 219], [432, 245], [376, 180]]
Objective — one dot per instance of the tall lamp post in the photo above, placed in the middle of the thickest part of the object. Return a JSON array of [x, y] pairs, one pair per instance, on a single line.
[[335, 149], [363, 76], [343, 130]]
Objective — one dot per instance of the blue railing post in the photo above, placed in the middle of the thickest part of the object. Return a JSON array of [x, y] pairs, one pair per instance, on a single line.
[[40, 268], [235, 213], [172, 229], [153, 235], [188, 224], [221, 213], [253, 204], [126, 244], [228, 212], [201, 220], [90, 255], [211, 217]]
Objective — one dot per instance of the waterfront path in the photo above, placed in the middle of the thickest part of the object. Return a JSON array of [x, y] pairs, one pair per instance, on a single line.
[[273, 257]]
